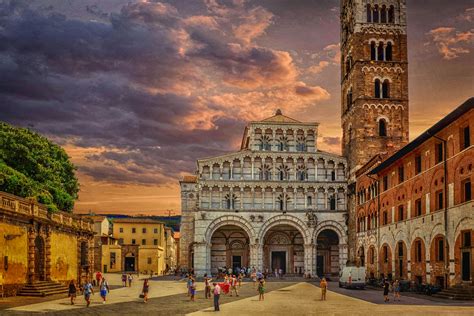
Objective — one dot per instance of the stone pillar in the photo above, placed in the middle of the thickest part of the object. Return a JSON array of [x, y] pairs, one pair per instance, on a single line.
[[392, 215], [295, 194], [305, 193], [231, 171], [211, 169], [256, 256], [309, 254], [47, 254], [241, 198], [220, 171], [273, 199], [409, 209], [343, 255], [31, 255], [241, 169], [427, 201], [408, 255], [252, 193], [201, 255], [220, 198], [252, 165], [428, 262]]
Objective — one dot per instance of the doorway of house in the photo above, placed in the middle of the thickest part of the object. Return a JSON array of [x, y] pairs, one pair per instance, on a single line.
[[466, 266], [129, 263], [279, 260], [39, 259], [320, 266]]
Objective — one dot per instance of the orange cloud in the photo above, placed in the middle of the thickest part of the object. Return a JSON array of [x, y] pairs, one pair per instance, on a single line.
[[451, 42]]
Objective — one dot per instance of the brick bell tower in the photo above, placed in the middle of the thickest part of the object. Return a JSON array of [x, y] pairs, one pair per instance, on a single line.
[[374, 79]]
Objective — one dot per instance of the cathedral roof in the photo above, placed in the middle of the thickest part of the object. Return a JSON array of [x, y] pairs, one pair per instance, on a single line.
[[280, 118]]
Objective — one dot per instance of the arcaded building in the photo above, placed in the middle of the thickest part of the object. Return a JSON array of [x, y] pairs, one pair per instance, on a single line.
[[277, 203], [414, 208]]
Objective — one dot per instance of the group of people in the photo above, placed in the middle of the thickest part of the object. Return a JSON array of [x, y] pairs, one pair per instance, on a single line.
[[87, 289], [388, 287], [127, 278]]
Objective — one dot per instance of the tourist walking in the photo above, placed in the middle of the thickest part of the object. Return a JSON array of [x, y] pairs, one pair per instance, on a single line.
[[124, 280], [261, 290], [145, 290], [217, 295], [98, 277], [207, 285], [72, 293], [241, 276], [193, 289], [386, 288], [130, 279], [396, 290], [189, 282], [104, 290], [88, 290], [254, 278], [324, 287]]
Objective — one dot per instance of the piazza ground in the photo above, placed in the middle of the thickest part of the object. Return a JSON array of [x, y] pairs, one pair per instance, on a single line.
[[286, 297]]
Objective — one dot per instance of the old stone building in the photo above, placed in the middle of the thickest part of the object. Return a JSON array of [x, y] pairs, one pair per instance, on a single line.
[[37, 247], [279, 202], [414, 208]]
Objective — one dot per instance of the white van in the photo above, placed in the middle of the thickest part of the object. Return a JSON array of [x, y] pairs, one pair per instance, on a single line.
[[352, 277]]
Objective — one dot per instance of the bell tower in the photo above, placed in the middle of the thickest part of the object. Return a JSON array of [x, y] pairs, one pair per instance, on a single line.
[[374, 79]]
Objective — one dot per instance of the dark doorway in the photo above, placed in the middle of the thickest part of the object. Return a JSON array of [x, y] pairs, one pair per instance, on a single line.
[[466, 266], [279, 260], [236, 262], [400, 268], [320, 266], [39, 259], [129, 263]]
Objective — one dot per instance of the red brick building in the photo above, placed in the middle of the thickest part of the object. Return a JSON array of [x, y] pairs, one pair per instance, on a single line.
[[414, 208]]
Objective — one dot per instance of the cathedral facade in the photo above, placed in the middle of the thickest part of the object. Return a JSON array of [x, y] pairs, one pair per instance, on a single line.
[[278, 203]]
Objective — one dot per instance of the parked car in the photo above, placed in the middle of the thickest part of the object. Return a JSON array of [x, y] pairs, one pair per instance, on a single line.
[[352, 277]]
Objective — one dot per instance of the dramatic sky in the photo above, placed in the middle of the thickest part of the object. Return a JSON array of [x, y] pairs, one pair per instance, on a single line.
[[136, 91]]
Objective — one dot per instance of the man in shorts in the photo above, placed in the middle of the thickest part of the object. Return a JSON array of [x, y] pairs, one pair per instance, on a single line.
[[88, 290]]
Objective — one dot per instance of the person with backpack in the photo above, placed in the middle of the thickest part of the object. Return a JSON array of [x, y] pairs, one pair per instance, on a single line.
[[104, 289]]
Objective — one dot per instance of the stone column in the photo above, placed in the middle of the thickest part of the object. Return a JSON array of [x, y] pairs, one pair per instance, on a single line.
[[408, 255], [31, 255], [231, 166], [252, 192], [47, 254], [221, 167], [211, 169], [427, 263], [343, 255], [273, 198], [252, 165], [295, 194], [305, 193], [220, 198], [241, 169], [256, 256], [241, 198], [201, 263], [309, 254]]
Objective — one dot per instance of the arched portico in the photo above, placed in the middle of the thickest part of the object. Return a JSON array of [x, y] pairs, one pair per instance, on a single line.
[[331, 243]]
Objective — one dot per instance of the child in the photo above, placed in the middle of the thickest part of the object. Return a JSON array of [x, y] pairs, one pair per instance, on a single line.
[[261, 290], [104, 289], [193, 289]]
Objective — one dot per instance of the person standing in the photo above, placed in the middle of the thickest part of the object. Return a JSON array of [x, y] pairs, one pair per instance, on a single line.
[[193, 289], [233, 286], [241, 276], [124, 280], [261, 290], [145, 290], [207, 284], [254, 278], [189, 282], [386, 288], [104, 289], [396, 290], [130, 279], [72, 291], [88, 290], [98, 277], [217, 294], [324, 287]]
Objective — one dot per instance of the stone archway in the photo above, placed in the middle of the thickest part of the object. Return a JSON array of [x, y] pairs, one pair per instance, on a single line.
[[230, 248], [40, 259], [327, 253]]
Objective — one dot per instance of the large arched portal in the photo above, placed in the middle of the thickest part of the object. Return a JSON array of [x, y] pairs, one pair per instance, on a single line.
[[230, 249], [283, 249], [327, 260]]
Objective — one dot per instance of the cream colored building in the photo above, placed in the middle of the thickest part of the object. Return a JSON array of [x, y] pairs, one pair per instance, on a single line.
[[171, 254], [279, 202], [140, 246]]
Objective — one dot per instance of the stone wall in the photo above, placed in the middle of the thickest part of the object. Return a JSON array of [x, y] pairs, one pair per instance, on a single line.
[[13, 245], [64, 263]]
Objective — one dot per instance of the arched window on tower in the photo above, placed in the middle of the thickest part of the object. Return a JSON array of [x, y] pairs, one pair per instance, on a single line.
[[230, 201], [375, 14], [348, 64], [377, 89], [383, 14], [382, 128], [349, 98], [388, 51], [391, 14], [380, 51], [386, 89], [373, 51], [369, 13]]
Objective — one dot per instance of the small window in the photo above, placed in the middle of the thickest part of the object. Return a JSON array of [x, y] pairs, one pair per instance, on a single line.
[[466, 239], [386, 89], [155, 242], [385, 183], [418, 254], [385, 254], [377, 93], [417, 164], [369, 13], [120, 241], [401, 174], [375, 15], [401, 214], [440, 245], [380, 55], [143, 241], [385, 218], [121, 229], [144, 230], [389, 52], [149, 260], [134, 230], [391, 14], [133, 242], [418, 207], [382, 128], [439, 152], [309, 201], [439, 200], [400, 249], [373, 51], [466, 190], [155, 230], [465, 137], [332, 202]]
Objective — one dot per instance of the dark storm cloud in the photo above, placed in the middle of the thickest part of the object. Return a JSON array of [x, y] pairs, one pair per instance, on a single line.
[[128, 83]]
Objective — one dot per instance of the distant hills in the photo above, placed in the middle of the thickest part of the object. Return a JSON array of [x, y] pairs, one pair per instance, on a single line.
[[170, 221]]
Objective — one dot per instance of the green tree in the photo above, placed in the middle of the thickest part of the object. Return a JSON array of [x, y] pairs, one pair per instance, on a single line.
[[31, 166]]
